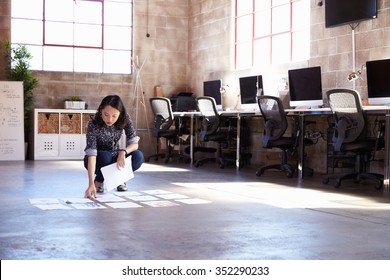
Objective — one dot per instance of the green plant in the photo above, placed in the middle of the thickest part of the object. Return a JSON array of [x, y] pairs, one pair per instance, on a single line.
[[73, 98], [18, 69]]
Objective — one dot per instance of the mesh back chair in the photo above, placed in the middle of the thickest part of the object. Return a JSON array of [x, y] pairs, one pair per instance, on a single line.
[[164, 127], [349, 135], [212, 129], [275, 125]]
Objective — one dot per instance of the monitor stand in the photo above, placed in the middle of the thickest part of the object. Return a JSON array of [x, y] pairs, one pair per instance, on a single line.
[[302, 107]]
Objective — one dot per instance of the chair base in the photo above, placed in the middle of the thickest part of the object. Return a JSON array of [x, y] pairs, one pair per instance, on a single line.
[[167, 157], [378, 178], [357, 177], [201, 161], [222, 161], [282, 167], [155, 156]]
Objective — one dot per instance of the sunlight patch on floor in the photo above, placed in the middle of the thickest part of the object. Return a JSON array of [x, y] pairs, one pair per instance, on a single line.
[[148, 167], [288, 197]]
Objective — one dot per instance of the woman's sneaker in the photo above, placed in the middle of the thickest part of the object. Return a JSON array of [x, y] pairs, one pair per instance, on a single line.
[[121, 188], [99, 187]]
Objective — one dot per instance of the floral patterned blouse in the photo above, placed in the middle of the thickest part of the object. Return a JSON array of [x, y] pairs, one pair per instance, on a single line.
[[106, 138]]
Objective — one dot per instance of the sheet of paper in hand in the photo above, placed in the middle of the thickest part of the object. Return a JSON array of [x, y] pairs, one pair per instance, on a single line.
[[114, 176]]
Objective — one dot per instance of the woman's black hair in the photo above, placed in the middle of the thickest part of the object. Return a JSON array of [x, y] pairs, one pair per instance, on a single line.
[[115, 102]]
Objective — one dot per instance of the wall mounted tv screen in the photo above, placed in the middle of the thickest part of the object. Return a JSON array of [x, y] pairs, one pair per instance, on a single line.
[[339, 12]]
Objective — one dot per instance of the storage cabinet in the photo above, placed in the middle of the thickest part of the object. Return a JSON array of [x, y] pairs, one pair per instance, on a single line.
[[60, 133]]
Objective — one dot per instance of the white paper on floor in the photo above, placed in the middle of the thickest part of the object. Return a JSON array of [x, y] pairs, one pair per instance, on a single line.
[[172, 196], [109, 198], [126, 204], [130, 199], [160, 203], [88, 206], [54, 206], [157, 192]]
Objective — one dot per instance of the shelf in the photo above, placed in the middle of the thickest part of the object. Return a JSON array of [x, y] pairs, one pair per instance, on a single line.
[[60, 133]]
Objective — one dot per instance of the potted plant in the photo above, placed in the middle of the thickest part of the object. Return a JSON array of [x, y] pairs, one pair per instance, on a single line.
[[18, 69], [74, 102]]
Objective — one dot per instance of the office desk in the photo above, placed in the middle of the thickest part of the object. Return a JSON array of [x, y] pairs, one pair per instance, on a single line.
[[239, 115], [383, 110], [380, 110], [234, 114], [301, 113], [192, 116]]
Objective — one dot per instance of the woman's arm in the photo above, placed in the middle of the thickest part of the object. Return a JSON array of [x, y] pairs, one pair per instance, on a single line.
[[90, 192], [131, 143], [123, 153]]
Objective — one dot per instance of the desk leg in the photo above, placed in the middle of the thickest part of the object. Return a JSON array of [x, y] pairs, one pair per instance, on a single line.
[[386, 186], [192, 140], [301, 145], [238, 152]]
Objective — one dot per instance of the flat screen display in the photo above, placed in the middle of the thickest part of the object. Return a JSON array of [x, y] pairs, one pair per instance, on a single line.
[[249, 88], [305, 87], [338, 12], [213, 89], [378, 84]]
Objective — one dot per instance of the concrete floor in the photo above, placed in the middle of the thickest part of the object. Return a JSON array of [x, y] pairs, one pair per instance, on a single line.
[[247, 217]]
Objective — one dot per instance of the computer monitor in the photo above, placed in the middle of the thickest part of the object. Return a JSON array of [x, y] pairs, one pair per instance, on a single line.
[[213, 89], [305, 87], [378, 81], [250, 88]]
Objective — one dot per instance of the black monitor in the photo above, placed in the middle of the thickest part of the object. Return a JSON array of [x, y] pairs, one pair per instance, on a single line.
[[213, 89], [305, 87], [249, 87], [378, 84]]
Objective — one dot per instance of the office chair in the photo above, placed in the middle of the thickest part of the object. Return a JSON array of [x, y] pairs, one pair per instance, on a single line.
[[212, 129], [349, 135], [165, 126], [275, 126]]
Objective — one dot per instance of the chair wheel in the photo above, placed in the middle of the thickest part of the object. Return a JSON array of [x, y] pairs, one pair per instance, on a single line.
[[337, 184], [222, 164], [357, 180], [259, 173], [290, 174], [325, 180], [379, 185]]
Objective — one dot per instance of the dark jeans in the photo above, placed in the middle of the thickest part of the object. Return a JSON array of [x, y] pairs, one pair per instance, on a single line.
[[105, 158]]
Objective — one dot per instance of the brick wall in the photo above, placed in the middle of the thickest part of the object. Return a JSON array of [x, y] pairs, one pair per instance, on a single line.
[[192, 40]]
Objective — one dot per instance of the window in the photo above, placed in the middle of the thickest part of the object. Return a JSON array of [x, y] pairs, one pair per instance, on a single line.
[[271, 32], [75, 35]]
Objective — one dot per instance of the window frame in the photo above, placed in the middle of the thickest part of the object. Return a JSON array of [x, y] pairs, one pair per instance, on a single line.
[[100, 51], [250, 47]]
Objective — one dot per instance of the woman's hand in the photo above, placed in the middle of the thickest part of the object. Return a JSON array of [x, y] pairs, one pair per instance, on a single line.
[[90, 192], [120, 162]]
